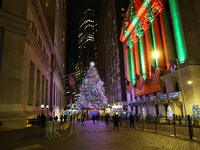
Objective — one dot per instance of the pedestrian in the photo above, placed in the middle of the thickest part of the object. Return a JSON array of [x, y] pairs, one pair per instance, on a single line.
[[93, 118], [43, 119], [78, 118], [51, 118], [97, 118], [55, 118], [82, 118], [39, 120], [61, 118], [65, 118], [107, 119], [116, 121], [131, 119]]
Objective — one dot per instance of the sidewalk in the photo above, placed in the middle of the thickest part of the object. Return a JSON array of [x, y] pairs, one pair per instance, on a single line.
[[29, 138]]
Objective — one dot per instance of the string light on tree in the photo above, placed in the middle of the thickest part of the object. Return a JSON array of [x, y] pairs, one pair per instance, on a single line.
[[144, 114], [92, 92], [169, 113], [196, 112]]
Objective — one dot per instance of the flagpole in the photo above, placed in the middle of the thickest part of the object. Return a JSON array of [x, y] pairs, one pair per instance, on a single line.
[[67, 75]]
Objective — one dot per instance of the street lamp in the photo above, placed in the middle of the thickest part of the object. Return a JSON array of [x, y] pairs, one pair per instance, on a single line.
[[42, 107], [156, 54]]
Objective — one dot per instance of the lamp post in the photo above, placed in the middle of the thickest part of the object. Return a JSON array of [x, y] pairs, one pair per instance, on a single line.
[[156, 54], [42, 107]]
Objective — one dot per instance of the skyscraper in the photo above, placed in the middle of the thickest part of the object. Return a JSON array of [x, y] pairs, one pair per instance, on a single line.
[[113, 53], [87, 46]]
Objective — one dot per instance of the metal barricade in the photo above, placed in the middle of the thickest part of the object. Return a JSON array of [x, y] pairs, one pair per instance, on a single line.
[[52, 130]]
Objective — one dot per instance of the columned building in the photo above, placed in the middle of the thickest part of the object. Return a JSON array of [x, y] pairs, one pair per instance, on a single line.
[[170, 28], [32, 58]]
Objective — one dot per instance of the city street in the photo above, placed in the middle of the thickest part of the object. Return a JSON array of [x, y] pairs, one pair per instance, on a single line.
[[91, 136]]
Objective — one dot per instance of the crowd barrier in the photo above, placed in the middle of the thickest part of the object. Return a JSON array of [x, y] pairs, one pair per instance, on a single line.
[[52, 129]]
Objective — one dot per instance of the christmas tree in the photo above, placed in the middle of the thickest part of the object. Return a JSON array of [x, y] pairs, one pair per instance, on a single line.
[[144, 114], [196, 112], [92, 93], [169, 113]]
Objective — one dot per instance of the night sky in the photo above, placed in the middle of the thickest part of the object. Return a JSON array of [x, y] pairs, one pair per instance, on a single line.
[[74, 10]]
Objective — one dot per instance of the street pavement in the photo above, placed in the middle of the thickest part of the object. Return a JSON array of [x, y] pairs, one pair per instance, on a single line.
[[29, 138], [92, 136]]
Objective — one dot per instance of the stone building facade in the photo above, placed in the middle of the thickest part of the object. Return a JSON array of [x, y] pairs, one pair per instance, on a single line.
[[32, 58]]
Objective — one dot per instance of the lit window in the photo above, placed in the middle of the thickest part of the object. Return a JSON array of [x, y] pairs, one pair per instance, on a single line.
[[47, 3]]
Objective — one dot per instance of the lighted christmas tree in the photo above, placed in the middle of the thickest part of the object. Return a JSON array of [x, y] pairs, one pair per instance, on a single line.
[[196, 112], [92, 92], [144, 114], [169, 113]]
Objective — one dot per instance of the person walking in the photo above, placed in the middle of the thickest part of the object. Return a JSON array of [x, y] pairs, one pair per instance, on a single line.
[[43, 119], [65, 118], [93, 118], [55, 118], [131, 119], [107, 119], [97, 118], [116, 121], [51, 118], [82, 118]]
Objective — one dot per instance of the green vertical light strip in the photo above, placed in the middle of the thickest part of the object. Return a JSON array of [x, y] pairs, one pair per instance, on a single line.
[[131, 61], [178, 31], [142, 58], [154, 44]]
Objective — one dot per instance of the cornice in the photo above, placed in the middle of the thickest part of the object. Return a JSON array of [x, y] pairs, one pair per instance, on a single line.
[[13, 23], [38, 13]]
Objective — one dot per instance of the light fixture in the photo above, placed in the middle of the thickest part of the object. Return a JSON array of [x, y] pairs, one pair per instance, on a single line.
[[42, 106]]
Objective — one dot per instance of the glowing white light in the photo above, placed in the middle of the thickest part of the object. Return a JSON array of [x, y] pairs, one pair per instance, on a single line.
[[92, 64]]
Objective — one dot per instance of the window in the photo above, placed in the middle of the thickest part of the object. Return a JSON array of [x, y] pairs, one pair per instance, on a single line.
[[47, 3], [31, 83], [38, 88]]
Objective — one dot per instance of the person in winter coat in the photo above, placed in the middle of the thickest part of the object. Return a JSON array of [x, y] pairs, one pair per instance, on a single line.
[[131, 119], [116, 121]]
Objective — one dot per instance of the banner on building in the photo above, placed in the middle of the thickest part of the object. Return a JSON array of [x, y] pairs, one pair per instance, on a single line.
[[147, 88]]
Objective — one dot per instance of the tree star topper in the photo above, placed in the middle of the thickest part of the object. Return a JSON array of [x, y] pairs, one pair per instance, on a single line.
[[92, 64]]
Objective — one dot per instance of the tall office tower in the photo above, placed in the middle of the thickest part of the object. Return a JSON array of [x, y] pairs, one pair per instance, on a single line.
[[114, 64], [32, 58], [87, 37], [170, 28], [100, 42]]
